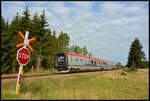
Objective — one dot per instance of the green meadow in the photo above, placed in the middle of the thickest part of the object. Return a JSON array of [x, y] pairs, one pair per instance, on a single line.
[[104, 85]]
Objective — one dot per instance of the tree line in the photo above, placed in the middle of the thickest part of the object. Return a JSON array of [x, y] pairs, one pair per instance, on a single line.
[[47, 44]]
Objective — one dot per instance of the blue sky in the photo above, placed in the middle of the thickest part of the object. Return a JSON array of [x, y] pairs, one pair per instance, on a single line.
[[106, 28]]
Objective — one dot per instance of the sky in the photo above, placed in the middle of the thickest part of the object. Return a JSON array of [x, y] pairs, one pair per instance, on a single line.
[[107, 29]]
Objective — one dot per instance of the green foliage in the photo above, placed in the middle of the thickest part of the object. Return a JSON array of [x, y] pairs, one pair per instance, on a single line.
[[119, 65], [45, 46], [132, 67], [2, 23], [25, 21], [123, 73], [79, 50], [84, 51], [63, 42], [90, 54], [145, 64], [136, 54]]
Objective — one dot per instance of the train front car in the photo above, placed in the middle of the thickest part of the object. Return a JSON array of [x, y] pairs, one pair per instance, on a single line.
[[61, 62]]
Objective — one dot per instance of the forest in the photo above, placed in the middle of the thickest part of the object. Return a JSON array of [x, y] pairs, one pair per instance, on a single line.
[[47, 44]]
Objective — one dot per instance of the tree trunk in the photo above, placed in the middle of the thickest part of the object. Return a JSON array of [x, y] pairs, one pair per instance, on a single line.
[[32, 69], [38, 64], [13, 67]]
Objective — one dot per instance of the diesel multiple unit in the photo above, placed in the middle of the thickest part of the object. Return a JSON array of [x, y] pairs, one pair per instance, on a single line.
[[68, 62]]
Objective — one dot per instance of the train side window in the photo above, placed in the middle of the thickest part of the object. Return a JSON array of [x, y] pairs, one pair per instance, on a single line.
[[85, 61], [104, 63], [76, 59], [71, 59], [93, 62], [90, 62], [99, 62], [81, 60]]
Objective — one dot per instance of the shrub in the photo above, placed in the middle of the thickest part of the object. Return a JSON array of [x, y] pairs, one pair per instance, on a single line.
[[123, 73], [132, 67]]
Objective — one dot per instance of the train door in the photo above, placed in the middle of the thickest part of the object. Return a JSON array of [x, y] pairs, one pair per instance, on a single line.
[[61, 61]]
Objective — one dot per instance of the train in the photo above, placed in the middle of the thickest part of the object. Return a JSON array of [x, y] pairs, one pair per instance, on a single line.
[[72, 62]]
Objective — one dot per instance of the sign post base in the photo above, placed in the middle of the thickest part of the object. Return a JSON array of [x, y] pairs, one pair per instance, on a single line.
[[19, 79]]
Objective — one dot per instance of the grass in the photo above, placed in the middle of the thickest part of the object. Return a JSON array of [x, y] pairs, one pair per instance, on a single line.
[[101, 86], [52, 71]]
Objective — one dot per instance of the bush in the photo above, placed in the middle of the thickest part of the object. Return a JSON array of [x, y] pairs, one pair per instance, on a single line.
[[132, 67], [123, 73]]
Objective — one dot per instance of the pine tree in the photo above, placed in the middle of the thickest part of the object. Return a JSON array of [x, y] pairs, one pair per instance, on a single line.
[[14, 29], [119, 65], [63, 42], [89, 54], [49, 51], [26, 23], [76, 48], [41, 41], [54, 35], [85, 52], [55, 42], [132, 67], [14, 26], [79, 50], [6, 46], [7, 26], [3, 26], [136, 54], [36, 26], [9, 49], [35, 32], [145, 64], [43, 24]]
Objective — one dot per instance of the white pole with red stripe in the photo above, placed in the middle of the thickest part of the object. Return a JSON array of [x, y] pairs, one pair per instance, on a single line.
[[19, 79], [23, 56]]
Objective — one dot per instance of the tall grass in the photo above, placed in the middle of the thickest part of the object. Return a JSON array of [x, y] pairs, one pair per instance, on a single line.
[[101, 85]]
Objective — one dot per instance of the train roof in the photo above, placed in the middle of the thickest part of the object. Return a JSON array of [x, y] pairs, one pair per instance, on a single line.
[[73, 54]]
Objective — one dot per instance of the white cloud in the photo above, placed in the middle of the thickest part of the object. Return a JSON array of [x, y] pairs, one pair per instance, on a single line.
[[83, 5], [7, 12], [108, 33]]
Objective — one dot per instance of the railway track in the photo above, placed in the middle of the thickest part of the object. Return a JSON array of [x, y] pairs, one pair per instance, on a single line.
[[15, 77], [7, 79]]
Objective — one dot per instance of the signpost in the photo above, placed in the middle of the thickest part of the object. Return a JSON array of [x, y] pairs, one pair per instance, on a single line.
[[23, 55]]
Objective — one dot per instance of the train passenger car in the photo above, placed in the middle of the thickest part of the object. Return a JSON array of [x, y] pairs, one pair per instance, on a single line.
[[68, 62]]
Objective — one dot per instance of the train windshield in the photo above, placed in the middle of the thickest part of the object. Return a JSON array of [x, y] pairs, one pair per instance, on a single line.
[[61, 59]]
